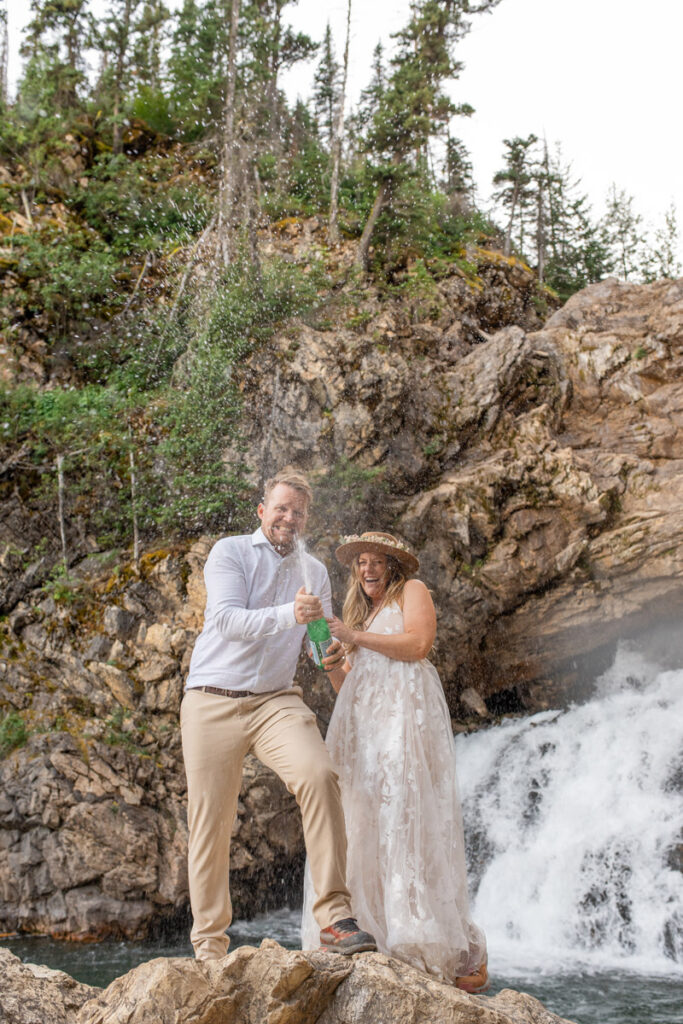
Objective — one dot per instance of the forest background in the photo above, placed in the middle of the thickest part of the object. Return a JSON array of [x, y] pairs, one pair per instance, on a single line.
[[143, 151]]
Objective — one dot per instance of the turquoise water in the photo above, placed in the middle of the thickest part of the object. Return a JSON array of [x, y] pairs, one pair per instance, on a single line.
[[583, 995]]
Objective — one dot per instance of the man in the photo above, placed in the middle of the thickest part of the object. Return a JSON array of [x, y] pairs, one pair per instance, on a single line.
[[239, 698]]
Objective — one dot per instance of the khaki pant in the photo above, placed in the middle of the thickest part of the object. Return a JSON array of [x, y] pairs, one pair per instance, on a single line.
[[282, 732]]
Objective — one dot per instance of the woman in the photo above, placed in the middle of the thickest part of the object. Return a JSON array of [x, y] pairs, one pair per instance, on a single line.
[[391, 741]]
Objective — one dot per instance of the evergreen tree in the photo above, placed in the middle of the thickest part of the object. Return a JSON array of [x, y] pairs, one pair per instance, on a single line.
[[576, 250], [55, 42], [414, 107], [338, 136], [662, 259], [197, 66], [270, 46], [371, 96], [517, 194], [624, 234], [459, 183], [118, 42], [326, 87], [4, 55], [150, 36]]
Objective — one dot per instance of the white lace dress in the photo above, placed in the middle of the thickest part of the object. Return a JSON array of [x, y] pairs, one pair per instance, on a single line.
[[391, 742]]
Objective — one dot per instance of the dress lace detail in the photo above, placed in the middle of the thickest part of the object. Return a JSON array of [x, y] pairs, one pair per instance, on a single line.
[[391, 742]]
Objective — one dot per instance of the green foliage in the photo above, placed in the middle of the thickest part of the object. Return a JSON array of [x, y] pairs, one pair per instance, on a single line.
[[62, 587], [154, 108], [13, 733], [135, 208], [201, 417], [64, 274]]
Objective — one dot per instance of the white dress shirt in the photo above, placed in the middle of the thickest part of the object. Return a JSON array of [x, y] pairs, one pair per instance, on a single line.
[[251, 640]]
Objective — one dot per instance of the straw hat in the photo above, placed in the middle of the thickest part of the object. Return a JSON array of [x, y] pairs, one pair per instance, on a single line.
[[381, 544]]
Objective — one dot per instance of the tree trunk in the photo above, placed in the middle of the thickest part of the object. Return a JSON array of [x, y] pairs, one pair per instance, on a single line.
[[118, 76], [60, 506], [4, 56], [508, 234], [540, 234], [134, 509], [377, 207], [333, 229], [227, 188]]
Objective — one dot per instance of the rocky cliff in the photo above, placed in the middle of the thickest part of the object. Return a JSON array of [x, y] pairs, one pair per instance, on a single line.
[[269, 985], [537, 472]]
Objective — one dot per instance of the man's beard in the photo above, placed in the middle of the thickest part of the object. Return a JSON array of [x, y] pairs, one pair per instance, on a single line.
[[284, 547]]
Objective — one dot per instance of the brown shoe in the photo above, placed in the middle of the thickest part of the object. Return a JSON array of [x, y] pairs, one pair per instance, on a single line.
[[347, 938]]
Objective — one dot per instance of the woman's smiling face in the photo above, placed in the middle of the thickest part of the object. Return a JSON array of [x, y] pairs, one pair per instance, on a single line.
[[372, 571]]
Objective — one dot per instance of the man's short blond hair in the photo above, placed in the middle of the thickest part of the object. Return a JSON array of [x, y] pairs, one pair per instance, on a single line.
[[292, 478]]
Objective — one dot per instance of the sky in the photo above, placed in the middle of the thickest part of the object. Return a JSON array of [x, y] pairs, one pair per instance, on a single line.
[[601, 77]]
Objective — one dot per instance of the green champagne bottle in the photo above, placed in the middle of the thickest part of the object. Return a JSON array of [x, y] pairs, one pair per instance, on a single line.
[[320, 638]]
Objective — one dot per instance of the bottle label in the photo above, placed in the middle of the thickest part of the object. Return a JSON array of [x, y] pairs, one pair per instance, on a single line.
[[319, 650]]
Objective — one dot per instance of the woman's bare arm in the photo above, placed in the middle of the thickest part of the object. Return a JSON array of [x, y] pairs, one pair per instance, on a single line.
[[419, 622]]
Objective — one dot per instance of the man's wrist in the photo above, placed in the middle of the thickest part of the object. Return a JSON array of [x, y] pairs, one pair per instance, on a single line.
[[285, 616]]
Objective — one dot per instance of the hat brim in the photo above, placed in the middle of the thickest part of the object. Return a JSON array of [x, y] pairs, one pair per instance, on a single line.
[[347, 552]]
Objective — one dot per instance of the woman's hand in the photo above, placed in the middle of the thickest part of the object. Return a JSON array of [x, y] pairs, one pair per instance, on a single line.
[[342, 632], [335, 657]]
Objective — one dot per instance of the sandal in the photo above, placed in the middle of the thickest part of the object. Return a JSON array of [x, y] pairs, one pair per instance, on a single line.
[[475, 983]]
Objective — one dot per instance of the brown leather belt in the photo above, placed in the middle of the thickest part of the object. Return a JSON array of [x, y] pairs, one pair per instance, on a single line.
[[225, 693]]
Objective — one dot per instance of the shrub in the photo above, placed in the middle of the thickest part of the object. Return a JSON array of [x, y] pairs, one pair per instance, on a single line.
[[13, 733]]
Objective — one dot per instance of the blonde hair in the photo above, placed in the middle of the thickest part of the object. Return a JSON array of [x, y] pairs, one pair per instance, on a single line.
[[291, 478], [357, 604]]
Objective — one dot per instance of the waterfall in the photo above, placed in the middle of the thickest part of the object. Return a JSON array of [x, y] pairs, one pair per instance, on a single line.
[[574, 825]]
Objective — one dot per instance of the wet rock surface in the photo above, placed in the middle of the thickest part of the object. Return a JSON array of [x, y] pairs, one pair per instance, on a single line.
[[269, 985]]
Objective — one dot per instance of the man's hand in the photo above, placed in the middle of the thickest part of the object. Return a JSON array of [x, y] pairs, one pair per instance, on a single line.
[[335, 656], [307, 607]]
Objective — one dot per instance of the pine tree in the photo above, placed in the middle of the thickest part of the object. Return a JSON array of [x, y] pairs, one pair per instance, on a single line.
[[150, 36], [4, 55], [197, 66], [338, 136], [55, 42], [569, 248], [371, 96], [662, 259], [326, 87], [517, 193], [270, 47], [624, 233], [118, 43], [414, 106], [459, 183]]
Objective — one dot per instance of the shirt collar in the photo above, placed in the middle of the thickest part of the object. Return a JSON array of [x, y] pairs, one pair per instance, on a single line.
[[258, 538]]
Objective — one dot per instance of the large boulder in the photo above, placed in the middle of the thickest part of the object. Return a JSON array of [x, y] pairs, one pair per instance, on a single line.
[[272, 985], [33, 994]]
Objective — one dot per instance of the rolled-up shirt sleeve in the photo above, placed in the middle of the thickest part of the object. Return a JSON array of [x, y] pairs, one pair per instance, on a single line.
[[226, 600]]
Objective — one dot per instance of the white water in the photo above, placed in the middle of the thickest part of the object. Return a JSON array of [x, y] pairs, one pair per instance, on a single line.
[[572, 819], [303, 562]]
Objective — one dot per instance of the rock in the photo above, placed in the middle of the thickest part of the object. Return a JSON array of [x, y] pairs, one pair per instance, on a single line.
[[159, 636], [272, 985], [93, 838], [156, 668], [473, 702], [118, 622], [32, 994], [117, 682]]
